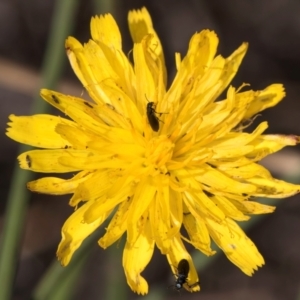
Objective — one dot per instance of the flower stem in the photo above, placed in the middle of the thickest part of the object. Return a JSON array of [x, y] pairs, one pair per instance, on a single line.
[[105, 6], [58, 282], [18, 196]]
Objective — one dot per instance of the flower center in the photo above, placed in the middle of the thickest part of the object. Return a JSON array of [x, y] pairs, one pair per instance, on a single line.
[[159, 151]]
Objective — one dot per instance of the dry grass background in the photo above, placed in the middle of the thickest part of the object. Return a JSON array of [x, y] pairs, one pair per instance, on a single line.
[[273, 30]]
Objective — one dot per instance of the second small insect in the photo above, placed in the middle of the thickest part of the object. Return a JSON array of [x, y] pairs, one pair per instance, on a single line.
[[182, 275]]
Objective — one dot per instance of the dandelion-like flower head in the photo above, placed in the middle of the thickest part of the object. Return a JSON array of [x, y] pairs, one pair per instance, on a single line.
[[154, 159]]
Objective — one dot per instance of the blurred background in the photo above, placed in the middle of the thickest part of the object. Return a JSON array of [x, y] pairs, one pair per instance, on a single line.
[[272, 29]]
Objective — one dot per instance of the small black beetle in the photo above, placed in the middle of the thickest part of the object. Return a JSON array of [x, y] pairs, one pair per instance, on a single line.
[[152, 118]]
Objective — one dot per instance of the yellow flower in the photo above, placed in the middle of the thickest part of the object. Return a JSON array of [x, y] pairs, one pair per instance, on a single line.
[[155, 159]]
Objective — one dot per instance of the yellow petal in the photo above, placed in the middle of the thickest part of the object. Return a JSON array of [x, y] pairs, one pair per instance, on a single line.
[[235, 145], [75, 136], [114, 70], [238, 248], [73, 50], [110, 199], [273, 188], [160, 228], [140, 25], [117, 226], [244, 171], [229, 209], [176, 210], [85, 115], [38, 131], [146, 191], [198, 234], [94, 186], [232, 64], [79, 110], [269, 97], [143, 74], [49, 161], [89, 160], [58, 186], [136, 257], [176, 254], [219, 181], [75, 231], [271, 143], [200, 205], [202, 49], [114, 66], [252, 207], [104, 29]]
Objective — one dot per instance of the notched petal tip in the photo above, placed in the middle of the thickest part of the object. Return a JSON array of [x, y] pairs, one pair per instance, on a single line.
[[25, 160], [64, 252], [139, 285], [45, 93], [10, 124], [104, 29], [138, 15], [291, 139], [71, 44], [11, 117], [266, 98], [140, 24], [287, 140], [194, 287], [296, 138], [244, 46]]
